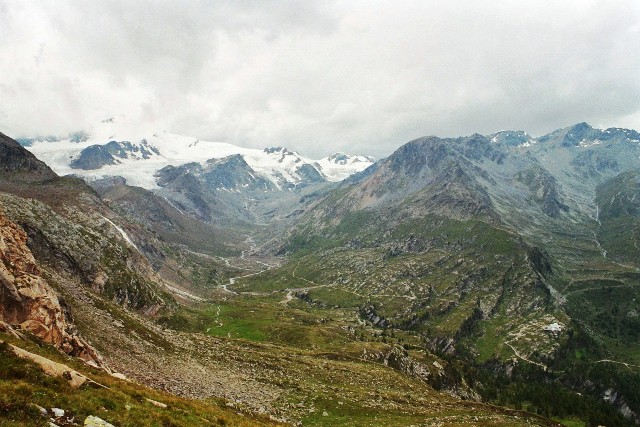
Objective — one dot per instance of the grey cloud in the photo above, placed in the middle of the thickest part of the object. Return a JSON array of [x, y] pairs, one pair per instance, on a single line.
[[319, 76]]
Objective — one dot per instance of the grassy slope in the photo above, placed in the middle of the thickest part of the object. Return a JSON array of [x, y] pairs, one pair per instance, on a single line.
[[328, 382], [427, 275], [122, 403], [350, 266]]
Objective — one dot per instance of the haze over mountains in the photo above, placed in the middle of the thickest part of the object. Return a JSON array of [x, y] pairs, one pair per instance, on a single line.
[[501, 268]]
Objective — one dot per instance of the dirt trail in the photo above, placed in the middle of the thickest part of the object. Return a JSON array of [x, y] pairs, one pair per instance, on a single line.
[[263, 266]]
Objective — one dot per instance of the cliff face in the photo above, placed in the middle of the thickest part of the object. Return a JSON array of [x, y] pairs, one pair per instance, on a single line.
[[27, 301]]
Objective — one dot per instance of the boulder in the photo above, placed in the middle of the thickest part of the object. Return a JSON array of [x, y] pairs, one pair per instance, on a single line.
[[93, 421]]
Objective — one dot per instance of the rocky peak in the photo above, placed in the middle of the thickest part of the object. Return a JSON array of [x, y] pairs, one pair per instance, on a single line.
[[98, 155], [575, 134], [345, 159], [282, 153], [339, 158], [412, 157], [93, 157], [511, 138], [232, 173], [234, 160], [629, 135], [572, 136], [279, 150]]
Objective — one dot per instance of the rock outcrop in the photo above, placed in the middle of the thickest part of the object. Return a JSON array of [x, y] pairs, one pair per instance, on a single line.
[[51, 368], [28, 302]]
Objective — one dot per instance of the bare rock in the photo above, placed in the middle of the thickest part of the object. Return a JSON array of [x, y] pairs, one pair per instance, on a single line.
[[54, 369], [156, 403], [93, 421], [28, 302]]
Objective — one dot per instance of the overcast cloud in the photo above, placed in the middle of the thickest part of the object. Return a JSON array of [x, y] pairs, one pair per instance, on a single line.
[[319, 77]]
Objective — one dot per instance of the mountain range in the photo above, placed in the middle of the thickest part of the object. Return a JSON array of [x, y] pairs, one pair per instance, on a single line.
[[139, 160], [206, 179], [500, 268]]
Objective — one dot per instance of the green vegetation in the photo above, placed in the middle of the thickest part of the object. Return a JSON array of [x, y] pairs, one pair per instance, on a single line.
[[263, 319], [432, 278], [541, 392], [127, 287], [23, 385], [376, 308]]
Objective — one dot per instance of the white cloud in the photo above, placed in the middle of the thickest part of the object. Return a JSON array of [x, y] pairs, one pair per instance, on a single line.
[[319, 76]]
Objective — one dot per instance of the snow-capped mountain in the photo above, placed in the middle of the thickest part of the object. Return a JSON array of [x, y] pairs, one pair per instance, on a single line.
[[139, 159], [339, 166]]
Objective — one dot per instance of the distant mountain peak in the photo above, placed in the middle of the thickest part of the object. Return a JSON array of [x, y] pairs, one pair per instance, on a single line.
[[281, 150], [577, 133], [234, 159], [584, 135], [580, 127], [512, 138], [341, 158]]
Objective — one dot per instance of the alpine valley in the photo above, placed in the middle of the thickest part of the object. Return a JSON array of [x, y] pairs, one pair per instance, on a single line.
[[159, 280]]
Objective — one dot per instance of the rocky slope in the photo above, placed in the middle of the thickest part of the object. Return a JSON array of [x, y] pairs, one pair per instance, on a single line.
[[16, 163], [549, 190], [481, 242], [28, 302], [56, 231], [40, 387]]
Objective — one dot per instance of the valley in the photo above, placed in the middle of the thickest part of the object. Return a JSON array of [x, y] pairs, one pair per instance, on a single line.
[[481, 280]]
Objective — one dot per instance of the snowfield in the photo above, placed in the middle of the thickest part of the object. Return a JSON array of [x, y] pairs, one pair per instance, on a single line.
[[275, 163]]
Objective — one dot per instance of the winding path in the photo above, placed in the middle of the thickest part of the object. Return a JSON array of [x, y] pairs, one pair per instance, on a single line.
[[519, 356], [243, 255], [628, 365]]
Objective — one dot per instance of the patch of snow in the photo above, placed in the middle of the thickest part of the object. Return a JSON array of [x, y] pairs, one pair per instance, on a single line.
[[553, 327], [124, 235], [340, 166], [529, 143], [584, 143]]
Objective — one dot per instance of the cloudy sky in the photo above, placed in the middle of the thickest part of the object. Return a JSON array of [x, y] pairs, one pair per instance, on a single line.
[[318, 77]]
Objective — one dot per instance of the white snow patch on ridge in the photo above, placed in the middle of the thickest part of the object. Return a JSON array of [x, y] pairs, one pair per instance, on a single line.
[[585, 143], [123, 233]]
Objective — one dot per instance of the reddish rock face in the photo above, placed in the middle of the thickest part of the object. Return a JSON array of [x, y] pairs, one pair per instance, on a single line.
[[27, 301]]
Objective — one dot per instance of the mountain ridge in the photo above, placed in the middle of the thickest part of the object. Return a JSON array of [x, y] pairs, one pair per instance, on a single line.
[[559, 210]]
